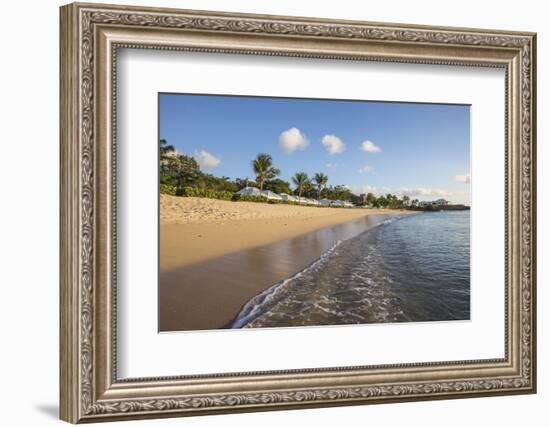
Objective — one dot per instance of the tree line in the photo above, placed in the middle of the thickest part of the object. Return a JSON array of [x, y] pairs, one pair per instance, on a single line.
[[180, 170]]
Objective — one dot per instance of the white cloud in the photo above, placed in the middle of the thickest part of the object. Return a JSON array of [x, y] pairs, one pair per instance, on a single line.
[[463, 178], [370, 147], [366, 169], [206, 160], [331, 165], [333, 144], [292, 139], [364, 189], [422, 192]]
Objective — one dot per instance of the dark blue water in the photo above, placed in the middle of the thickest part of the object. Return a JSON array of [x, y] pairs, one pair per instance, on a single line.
[[409, 269]]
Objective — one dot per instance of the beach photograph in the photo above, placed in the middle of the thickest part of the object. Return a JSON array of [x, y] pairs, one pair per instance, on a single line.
[[301, 212]]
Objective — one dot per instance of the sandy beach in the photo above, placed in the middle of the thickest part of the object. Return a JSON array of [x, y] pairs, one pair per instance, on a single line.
[[197, 229], [216, 255]]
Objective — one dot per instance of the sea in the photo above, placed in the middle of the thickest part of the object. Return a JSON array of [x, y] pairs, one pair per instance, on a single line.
[[412, 268]]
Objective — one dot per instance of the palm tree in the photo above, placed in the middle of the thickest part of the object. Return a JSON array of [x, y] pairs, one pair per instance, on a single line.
[[321, 180], [264, 169], [300, 180], [371, 199]]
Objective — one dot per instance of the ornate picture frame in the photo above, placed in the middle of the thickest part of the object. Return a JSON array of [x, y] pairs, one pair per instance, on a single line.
[[90, 37]]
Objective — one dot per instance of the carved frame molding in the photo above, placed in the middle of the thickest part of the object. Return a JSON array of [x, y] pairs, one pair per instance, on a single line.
[[90, 37]]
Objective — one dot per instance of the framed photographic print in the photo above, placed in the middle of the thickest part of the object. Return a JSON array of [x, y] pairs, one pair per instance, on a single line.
[[265, 212]]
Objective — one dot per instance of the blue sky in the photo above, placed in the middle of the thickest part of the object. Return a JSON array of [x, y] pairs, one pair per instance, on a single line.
[[422, 150]]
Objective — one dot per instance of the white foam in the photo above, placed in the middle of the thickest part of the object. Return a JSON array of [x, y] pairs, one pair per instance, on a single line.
[[254, 307]]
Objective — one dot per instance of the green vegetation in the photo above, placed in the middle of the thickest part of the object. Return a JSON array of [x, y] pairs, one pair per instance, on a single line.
[[389, 201], [168, 189], [260, 199], [180, 171], [457, 207], [176, 168], [180, 175], [278, 186], [248, 198], [264, 169], [209, 194], [301, 181], [321, 181]]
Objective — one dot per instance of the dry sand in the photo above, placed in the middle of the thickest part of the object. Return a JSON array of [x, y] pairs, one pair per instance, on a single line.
[[198, 229], [216, 255]]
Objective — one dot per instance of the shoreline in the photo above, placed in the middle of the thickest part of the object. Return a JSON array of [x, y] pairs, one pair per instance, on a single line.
[[215, 228], [210, 293]]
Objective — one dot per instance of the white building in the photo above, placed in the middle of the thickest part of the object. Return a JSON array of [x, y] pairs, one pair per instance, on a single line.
[[289, 197], [324, 202], [251, 191], [270, 195]]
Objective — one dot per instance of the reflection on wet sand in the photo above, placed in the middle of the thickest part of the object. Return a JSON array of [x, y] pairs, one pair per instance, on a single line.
[[209, 294]]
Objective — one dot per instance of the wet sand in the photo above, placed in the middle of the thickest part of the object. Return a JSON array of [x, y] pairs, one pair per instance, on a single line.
[[194, 230], [212, 276]]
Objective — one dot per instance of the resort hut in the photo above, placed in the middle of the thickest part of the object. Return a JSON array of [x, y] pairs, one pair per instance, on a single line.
[[271, 195], [288, 197], [324, 202], [251, 191], [337, 203]]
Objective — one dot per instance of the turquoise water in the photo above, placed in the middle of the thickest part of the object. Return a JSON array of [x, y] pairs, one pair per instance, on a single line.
[[408, 269]]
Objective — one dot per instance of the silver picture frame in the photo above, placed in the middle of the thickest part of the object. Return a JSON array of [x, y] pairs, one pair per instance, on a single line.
[[90, 37]]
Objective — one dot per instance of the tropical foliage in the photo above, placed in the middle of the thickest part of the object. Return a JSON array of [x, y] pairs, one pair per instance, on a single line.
[[209, 194], [248, 198], [278, 186], [320, 181], [301, 181], [181, 175], [263, 167], [168, 189], [390, 201], [176, 168]]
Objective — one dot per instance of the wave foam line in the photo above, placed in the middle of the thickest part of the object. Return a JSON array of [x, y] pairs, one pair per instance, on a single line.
[[261, 303], [254, 308]]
